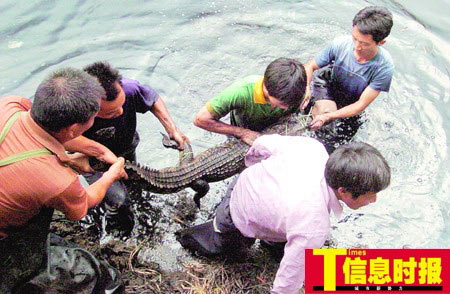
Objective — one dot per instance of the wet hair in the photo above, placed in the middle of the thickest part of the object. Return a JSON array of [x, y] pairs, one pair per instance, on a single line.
[[359, 168], [66, 97], [107, 76], [375, 21], [285, 79]]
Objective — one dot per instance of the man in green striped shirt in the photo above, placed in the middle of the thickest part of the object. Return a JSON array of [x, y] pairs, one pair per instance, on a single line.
[[256, 102]]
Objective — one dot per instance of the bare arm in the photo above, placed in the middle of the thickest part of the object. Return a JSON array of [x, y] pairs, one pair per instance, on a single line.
[[310, 67], [367, 96], [210, 122], [97, 190], [91, 148], [159, 109], [80, 163]]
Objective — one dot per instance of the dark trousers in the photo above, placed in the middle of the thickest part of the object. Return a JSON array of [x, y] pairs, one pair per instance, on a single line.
[[340, 131], [218, 237], [32, 261]]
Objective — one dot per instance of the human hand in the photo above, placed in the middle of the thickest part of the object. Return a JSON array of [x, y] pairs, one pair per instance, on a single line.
[[107, 156], [117, 170], [318, 121], [306, 99], [180, 138], [249, 136]]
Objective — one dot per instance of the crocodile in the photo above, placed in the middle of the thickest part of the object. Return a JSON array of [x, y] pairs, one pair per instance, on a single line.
[[214, 164]]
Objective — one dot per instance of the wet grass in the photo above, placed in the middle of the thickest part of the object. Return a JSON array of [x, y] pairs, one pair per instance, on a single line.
[[253, 275]]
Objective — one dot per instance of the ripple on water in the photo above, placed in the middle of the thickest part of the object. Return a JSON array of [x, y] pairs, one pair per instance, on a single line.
[[395, 223]]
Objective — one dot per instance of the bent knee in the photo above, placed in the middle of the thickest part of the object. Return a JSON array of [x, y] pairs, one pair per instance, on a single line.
[[324, 106], [117, 195]]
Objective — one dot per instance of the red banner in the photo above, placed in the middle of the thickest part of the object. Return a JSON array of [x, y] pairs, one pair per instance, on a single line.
[[377, 270]]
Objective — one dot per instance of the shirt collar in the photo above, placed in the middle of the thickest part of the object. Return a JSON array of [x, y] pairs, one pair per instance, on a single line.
[[45, 138], [334, 204], [258, 94]]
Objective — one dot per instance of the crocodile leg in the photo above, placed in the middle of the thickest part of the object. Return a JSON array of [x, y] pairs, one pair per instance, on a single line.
[[201, 187]]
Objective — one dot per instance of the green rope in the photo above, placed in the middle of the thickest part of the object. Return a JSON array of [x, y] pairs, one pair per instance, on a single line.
[[23, 155], [8, 125]]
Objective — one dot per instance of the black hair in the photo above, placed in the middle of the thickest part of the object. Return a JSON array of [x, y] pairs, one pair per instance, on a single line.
[[374, 20], [285, 79], [107, 76], [359, 168], [66, 97]]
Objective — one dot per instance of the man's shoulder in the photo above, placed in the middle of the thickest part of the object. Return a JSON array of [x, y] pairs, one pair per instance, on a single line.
[[132, 86], [385, 57], [339, 49], [11, 104], [13, 99], [129, 86], [138, 92], [240, 88]]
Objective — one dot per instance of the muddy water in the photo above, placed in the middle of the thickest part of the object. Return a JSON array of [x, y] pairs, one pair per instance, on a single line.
[[190, 50]]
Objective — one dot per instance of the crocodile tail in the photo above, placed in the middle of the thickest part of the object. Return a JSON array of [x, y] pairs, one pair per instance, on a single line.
[[165, 180]]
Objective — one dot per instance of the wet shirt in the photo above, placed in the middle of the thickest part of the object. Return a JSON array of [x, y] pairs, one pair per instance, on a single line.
[[351, 77], [245, 102], [283, 196], [28, 185], [119, 134]]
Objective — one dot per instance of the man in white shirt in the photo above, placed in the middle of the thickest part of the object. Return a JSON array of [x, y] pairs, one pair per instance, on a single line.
[[285, 196]]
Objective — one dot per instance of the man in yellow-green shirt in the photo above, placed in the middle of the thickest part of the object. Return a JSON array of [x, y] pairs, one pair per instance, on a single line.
[[256, 102]]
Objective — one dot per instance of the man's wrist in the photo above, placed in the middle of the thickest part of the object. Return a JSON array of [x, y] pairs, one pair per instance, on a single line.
[[238, 132], [326, 117]]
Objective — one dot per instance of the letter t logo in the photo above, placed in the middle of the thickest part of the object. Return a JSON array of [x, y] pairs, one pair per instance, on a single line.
[[329, 266]]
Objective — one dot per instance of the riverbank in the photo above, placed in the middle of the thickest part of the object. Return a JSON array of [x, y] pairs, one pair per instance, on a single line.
[[255, 274]]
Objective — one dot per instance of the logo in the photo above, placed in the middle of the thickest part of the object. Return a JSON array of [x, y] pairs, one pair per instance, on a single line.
[[377, 271]]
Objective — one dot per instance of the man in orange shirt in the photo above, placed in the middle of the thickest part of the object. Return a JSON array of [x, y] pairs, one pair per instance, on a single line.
[[37, 176]]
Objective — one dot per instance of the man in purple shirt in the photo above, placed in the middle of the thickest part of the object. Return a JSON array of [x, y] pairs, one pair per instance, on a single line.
[[284, 196], [115, 128]]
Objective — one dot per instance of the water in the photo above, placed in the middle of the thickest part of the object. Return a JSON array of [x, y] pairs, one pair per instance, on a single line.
[[191, 50]]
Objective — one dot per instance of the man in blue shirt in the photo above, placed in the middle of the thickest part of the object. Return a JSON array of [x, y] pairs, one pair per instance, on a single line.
[[349, 74]]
